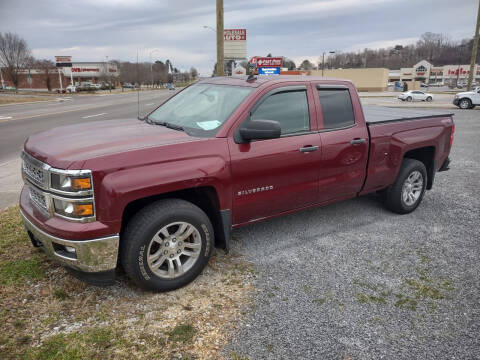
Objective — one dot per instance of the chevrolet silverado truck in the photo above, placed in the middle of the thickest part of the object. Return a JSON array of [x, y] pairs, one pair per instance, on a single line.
[[155, 196]]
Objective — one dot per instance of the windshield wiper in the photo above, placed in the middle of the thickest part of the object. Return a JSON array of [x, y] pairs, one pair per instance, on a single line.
[[166, 124]]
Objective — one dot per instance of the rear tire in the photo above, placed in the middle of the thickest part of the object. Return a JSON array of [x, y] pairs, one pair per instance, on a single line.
[[166, 245], [407, 191]]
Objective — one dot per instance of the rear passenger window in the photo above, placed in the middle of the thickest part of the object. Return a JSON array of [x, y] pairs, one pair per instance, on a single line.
[[337, 108], [289, 108]]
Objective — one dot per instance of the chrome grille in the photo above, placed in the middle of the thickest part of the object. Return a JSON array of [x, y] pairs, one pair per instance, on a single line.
[[38, 198], [35, 171]]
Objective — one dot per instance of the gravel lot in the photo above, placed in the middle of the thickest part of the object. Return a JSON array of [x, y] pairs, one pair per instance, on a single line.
[[354, 281]]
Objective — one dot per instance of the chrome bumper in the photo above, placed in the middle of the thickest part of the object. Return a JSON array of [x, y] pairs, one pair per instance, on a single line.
[[95, 255]]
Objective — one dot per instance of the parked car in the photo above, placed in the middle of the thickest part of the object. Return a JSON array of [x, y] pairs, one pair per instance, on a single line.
[[157, 195], [415, 95], [128, 86], [170, 86], [467, 99], [71, 88], [423, 85]]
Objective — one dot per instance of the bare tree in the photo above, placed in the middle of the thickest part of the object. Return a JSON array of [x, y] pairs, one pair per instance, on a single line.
[[14, 56]]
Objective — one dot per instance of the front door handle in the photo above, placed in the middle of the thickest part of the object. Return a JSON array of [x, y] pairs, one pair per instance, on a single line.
[[357, 141], [308, 148]]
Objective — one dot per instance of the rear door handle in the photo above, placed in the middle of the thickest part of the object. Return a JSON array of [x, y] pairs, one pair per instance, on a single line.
[[357, 141], [308, 148]]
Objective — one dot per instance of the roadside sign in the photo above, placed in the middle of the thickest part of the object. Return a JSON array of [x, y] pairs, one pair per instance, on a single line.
[[63, 61], [268, 71], [235, 44], [269, 62]]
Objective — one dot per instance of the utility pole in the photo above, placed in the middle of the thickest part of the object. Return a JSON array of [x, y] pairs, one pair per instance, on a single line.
[[474, 52], [220, 53]]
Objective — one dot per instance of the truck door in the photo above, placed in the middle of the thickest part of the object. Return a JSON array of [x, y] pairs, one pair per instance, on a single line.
[[276, 175], [344, 143]]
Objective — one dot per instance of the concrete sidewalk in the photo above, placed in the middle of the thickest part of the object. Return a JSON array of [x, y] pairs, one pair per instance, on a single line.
[[11, 181]]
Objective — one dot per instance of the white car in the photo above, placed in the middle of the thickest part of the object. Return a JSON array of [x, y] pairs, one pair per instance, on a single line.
[[467, 99], [415, 95], [71, 88]]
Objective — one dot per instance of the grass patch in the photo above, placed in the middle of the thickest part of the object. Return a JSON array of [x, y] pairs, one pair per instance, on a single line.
[[320, 301], [92, 344], [60, 294], [365, 299], [182, 333], [12, 231], [13, 99], [236, 356], [16, 272]]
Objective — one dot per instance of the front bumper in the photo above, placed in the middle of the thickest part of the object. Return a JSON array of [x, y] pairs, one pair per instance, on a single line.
[[456, 102], [94, 255]]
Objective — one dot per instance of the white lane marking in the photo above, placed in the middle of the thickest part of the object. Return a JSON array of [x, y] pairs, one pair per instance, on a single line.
[[5, 117], [89, 116], [149, 104]]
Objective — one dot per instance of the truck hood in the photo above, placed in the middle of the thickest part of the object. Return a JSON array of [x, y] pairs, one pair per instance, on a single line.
[[62, 146], [465, 93]]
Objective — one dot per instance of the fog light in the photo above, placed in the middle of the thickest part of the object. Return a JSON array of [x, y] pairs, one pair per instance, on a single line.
[[70, 249]]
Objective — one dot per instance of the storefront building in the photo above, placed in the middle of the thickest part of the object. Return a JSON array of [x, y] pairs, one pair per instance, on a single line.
[[435, 75]]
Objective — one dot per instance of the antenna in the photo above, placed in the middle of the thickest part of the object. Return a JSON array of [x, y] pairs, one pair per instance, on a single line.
[[138, 92]]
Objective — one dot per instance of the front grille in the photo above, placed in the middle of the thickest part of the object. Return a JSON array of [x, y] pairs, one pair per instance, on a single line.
[[35, 170], [38, 198]]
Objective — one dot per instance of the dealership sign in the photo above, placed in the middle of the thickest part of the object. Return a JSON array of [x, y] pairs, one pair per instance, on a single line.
[[63, 61], [235, 44], [269, 62], [268, 71]]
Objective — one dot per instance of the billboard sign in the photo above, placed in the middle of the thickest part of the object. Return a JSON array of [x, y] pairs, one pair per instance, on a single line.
[[63, 61], [269, 62], [235, 44], [268, 71]]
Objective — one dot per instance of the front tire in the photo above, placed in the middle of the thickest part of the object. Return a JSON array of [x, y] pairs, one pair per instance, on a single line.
[[407, 191], [429, 99], [409, 99], [166, 245], [465, 104]]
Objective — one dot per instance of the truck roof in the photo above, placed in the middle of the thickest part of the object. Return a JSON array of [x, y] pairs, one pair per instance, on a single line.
[[261, 80]]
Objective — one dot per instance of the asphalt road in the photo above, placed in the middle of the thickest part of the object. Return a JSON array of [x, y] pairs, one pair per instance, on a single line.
[[354, 281], [18, 121]]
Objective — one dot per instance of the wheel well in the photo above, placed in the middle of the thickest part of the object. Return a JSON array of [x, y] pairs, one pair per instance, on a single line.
[[427, 156], [205, 198]]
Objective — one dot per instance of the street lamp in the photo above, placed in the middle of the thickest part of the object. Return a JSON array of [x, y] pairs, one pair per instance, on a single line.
[[323, 59], [151, 64]]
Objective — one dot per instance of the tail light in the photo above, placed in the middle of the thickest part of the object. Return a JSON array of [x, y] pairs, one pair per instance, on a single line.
[[451, 135]]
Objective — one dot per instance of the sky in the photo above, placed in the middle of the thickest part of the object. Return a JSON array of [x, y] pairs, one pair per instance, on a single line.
[[91, 30]]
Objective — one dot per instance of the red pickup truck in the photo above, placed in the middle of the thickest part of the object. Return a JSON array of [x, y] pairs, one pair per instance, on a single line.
[[155, 196]]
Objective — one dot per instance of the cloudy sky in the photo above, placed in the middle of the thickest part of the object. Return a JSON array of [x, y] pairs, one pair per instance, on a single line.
[[90, 30]]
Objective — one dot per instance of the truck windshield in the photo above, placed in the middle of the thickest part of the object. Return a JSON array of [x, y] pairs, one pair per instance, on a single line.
[[200, 109]]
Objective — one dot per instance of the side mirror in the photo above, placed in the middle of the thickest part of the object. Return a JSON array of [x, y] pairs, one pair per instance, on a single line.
[[260, 129]]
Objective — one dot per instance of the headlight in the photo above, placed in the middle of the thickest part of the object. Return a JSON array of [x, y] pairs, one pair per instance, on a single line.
[[456, 96], [79, 182], [74, 209]]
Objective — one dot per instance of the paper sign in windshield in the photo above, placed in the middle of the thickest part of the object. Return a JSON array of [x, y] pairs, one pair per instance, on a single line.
[[209, 125]]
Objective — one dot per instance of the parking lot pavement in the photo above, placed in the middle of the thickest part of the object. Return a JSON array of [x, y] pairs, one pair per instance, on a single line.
[[354, 281]]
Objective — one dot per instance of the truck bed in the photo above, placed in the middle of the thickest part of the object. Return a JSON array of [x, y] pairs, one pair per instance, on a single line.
[[382, 114]]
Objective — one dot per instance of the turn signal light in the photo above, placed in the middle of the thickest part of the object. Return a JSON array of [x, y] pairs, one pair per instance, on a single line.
[[81, 183], [83, 210]]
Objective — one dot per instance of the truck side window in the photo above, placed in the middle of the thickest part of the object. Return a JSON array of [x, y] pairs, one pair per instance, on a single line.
[[337, 109], [289, 108]]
